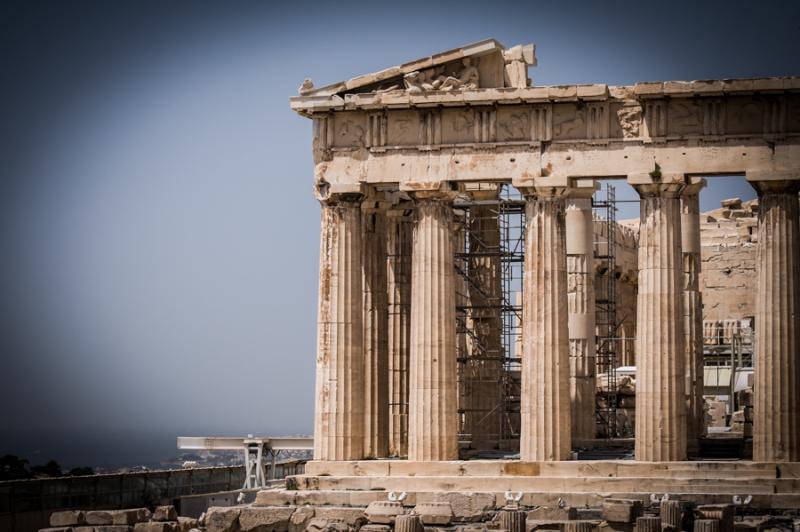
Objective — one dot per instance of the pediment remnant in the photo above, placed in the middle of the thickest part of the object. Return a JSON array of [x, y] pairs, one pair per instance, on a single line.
[[481, 65]]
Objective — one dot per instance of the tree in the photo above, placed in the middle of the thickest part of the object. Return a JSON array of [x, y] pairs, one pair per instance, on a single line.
[[50, 469], [13, 468]]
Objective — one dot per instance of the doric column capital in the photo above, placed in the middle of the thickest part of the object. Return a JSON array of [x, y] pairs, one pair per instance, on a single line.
[[582, 188], [335, 194], [404, 209], [693, 186], [438, 191], [545, 192], [578, 204], [481, 191], [433, 196], [775, 186], [670, 189], [578, 188], [384, 200]]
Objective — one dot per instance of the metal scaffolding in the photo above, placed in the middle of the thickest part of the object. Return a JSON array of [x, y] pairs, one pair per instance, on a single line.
[[728, 350], [604, 213], [495, 362], [508, 209]]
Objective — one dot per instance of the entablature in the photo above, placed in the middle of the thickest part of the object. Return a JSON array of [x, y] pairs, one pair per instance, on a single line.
[[470, 115], [765, 116], [556, 163]]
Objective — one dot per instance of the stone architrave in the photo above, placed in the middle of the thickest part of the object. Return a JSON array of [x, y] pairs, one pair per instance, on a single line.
[[433, 414], [399, 228], [692, 310], [776, 420], [660, 377], [544, 404], [339, 412], [581, 307], [376, 322]]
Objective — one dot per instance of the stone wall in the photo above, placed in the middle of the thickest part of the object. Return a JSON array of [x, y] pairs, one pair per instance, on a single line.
[[728, 276], [626, 241]]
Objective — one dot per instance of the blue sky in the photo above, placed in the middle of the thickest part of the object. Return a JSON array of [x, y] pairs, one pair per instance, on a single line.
[[159, 229]]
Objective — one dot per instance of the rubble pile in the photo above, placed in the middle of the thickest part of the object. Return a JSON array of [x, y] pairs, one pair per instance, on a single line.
[[459, 512], [623, 387], [162, 519]]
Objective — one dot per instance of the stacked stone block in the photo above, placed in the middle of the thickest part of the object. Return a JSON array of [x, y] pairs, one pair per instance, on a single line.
[[162, 519]]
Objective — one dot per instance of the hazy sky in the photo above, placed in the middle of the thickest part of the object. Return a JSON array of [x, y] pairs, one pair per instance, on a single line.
[[160, 236]]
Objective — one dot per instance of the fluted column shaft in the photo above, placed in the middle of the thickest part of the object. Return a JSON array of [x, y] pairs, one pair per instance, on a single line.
[[692, 310], [776, 421], [544, 404], [398, 271], [339, 412], [660, 377], [376, 322], [432, 428], [581, 307]]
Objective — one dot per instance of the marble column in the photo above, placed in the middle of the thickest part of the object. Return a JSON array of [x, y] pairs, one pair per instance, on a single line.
[[545, 404], [376, 323], [484, 364], [581, 308], [692, 311], [339, 412], [776, 420], [433, 415], [660, 377], [398, 243]]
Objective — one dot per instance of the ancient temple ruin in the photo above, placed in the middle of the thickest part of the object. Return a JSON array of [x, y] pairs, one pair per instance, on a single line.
[[490, 336], [419, 168]]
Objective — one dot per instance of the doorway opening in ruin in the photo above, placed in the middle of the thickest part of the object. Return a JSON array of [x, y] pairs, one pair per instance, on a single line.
[[608, 344], [727, 283], [615, 206], [489, 260], [489, 265]]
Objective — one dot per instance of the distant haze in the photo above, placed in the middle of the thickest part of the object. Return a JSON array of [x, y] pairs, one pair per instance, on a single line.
[[159, 233]]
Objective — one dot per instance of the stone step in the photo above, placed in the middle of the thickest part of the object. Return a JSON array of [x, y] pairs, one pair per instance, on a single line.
[[647, 485], [569, 469], [281, 497]]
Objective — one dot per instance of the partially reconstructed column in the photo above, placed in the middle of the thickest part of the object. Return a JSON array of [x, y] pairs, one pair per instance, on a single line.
[[544, 404], [512, 520], [648, 524], [376, 322], [398, 243], [776, 421], [692, 310], [339, 412], [581, 307], [660, 378], [432, 423], [671, 514]]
